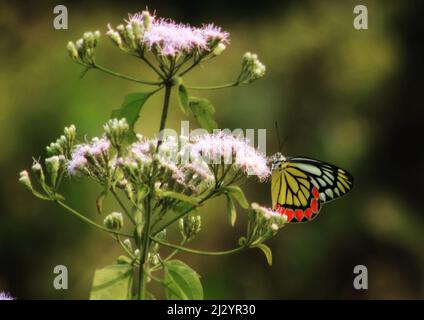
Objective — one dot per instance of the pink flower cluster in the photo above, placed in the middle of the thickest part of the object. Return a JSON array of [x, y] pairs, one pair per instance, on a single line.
[[166, 37], [83, 152], [6, 296], [220, 147]]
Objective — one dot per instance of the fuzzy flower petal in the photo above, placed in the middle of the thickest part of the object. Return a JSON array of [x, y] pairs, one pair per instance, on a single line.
[[218, 147], [6, 296]]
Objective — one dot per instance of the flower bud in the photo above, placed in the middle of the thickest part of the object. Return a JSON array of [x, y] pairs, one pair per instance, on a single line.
[[53, 165], [38, 170], [116, 131], [219, 49], [115, 37], [147, 20], [130, 36], [137, 253], [123, 260], [70, 134], [137, 29], [88, 39], [114, 221], [96, 37], [25, 180], [128, 245], [162, 235], [190, 226], [252, 68], [80, 45], [73, 52]]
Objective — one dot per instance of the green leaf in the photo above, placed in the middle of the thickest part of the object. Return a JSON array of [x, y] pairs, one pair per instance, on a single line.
[[178, 196], [203, 110], [183, 98], [267, 252], [113, 282], [131, 107], [182, 282], [232, 212], [238, 195]]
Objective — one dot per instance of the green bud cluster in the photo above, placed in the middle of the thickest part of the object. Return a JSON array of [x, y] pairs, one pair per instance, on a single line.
[[190, 226], [116, 131], [54, 165], [114, 221], [82, 50], [263, 224], [64, 144], [128, 37], [252, 69], [25, 179]]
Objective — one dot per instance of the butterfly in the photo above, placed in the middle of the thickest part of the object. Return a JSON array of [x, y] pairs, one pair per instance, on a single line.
[[300, 186]]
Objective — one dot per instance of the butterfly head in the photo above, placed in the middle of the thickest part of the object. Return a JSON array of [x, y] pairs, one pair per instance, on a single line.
[[277, 161]]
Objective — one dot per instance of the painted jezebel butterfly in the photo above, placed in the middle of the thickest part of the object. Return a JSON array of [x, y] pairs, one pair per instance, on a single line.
[[300, 185]]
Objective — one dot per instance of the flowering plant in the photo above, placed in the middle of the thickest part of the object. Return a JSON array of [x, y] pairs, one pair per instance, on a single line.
[[159, 181]]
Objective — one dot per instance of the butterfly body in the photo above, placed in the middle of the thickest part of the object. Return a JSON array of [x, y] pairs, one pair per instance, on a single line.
[[300, 186]]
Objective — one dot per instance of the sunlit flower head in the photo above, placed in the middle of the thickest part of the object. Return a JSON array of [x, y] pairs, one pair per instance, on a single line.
[[166, 37], [267, 213], [221, 147], [6, 296], [84, 152]]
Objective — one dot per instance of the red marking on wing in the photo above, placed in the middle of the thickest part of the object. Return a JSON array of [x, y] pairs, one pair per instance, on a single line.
[[315, 192], [308, 213], [314, 205], [298, 214], [289, 214]]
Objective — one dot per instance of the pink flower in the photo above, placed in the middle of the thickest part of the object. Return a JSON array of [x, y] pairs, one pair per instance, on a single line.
[[99, 146], [220, 147], [83, 152], [76, 164], [171, 39], [212, 32], [6, 296]]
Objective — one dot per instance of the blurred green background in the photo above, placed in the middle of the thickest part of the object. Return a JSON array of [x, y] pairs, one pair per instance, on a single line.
[[352, 98]]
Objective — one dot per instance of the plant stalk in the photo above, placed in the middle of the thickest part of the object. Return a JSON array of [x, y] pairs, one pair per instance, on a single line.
[[168, 89], [145, 241]]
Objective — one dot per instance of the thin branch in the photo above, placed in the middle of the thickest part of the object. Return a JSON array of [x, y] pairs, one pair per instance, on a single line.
[[84, 218], [123, 207], [199, 252], [119, 75], [223, 86]]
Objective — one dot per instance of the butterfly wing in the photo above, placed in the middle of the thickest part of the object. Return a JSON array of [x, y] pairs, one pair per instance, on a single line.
[[303, 184]]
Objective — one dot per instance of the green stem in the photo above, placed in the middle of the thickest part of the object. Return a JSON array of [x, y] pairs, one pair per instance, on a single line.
[[85, 219], [211, 194], [120, 75], [160, 74], [144, 249], [125, 248], [123, 207], [168, 89], [195, 63], [199, 252], [223, 86], [175, 251]]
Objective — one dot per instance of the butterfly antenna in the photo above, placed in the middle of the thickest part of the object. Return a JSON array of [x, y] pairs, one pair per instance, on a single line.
[[277, 132], [284, 142], [280, 143]]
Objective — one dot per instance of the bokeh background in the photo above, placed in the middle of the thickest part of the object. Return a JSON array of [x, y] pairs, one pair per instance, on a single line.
[[353, 98]]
